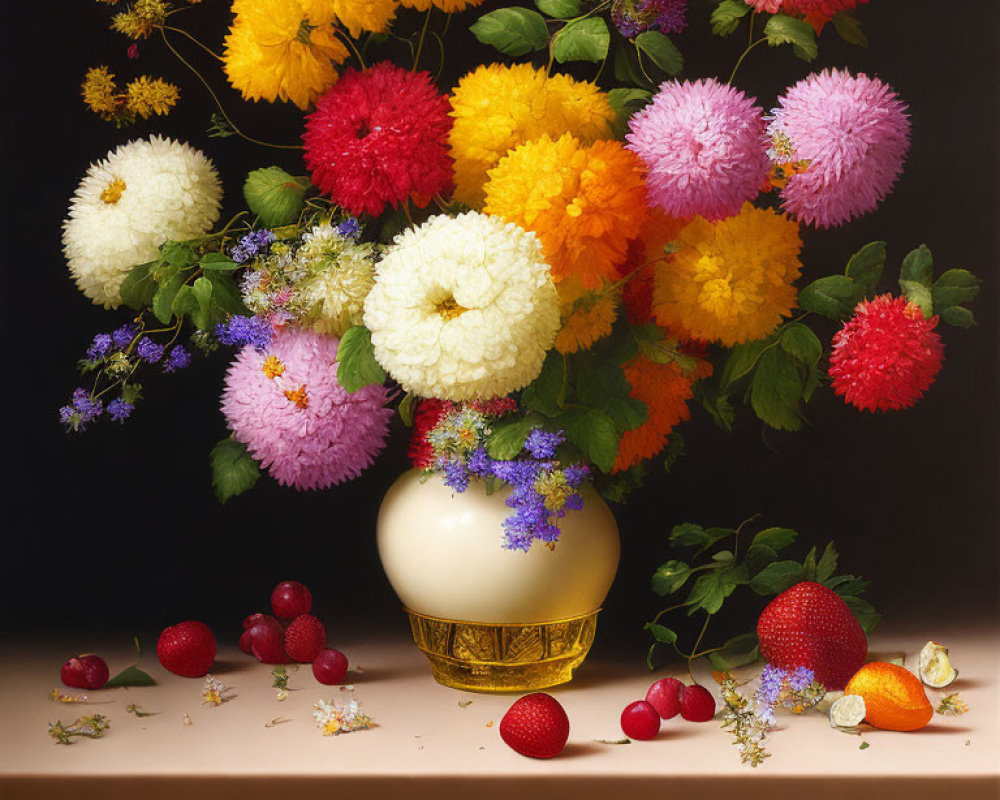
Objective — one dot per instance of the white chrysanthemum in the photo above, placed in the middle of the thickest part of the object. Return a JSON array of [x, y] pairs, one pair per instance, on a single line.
[[339, 274], [463, 307], [138, 197]]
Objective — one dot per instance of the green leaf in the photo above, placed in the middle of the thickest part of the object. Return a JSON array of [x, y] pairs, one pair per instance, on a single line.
[[775, 538], [275, 196], [178, 254], [687, 534], [139, 287], [626, 412], [827, 564], [583, 40], [233, 470], [845, 585], [958, 316], [542, 394], [955, 287], [357, 364], [775, 391], [599, 381], [864, 612], [777, 577], [809, 565], [920, 294], [727, 15], [130, 676], [163, 300], [737, 652], [660, 633], [670, 577], [673, 450], [918, 266], [560, 9], [849, 28], [202, 315], [834, 296], [512, 31], [594, 433], [625, 103], [131, 392], [710, 592], [783, 29], [742, 360], [225, 295], [865, 267], [758, 556], [717, 403], [661, 51], [184, 301], [218, 262], [801, 343], [406, 409], [507, 439], [626, 63]]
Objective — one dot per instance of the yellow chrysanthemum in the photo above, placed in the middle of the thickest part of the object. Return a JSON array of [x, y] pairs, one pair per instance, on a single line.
[[731, 281], [498, 107], [586, 316], [583, 201], [365, 15], [148, 96], [99, 91], [274, 50], [448, 6]]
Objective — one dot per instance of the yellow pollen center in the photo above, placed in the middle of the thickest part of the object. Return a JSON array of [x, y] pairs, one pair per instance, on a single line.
[[273, 367], [449, 308], [298, 396], [113, 191]]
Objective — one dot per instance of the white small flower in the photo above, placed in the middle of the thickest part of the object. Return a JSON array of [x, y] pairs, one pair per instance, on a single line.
[[463, 307], [142, 194]]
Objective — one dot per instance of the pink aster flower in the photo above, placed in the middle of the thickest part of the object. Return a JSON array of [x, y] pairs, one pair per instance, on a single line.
[[853, 132], [286, 405], [701, 142], [379, 137], [886, 356]]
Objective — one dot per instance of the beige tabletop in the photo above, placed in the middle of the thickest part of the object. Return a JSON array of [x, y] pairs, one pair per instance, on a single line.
[[431, 741]]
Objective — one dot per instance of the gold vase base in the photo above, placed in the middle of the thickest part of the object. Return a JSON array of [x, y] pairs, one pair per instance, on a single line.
[[503, 657]]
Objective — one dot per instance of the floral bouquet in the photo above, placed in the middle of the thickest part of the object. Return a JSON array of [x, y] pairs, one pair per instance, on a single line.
[[540, 268]]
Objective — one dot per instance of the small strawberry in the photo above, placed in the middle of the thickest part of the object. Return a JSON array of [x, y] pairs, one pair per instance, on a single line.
[[640, 720], [187, 648], [697, 704], [290, 599], [535, 726], [330, 667], [85, 672], [665, 697], [810, 626], [304, 638]]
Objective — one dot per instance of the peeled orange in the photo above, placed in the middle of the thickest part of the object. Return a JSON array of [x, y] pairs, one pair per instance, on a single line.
[[894, 697]]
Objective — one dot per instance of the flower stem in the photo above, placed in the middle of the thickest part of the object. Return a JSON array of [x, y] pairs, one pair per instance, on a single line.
[[350, 43], [694, 650], [740, 60], [420, 42], [204, 47]]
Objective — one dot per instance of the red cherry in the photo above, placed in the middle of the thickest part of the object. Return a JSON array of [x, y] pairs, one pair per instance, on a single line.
[[290, 599], [697, 704], [640, 720], [85, 672], [664, 696], [330, 667]]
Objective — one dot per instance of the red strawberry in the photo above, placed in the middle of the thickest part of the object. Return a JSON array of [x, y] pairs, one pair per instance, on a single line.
[[85, 672], [304, 638], [665, 697], [187, 648], [810, 626], [697, 704], [289, 599], [640, 720], [535, 726]]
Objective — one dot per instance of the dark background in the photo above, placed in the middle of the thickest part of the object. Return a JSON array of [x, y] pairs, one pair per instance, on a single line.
[[116, 530]]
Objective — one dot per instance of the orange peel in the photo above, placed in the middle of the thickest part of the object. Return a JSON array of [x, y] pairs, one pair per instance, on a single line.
[[894, 697]]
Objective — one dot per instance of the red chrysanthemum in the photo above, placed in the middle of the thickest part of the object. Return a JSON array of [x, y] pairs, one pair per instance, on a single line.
[[643, 251], [886, 356], [428, 414], [379, 137]]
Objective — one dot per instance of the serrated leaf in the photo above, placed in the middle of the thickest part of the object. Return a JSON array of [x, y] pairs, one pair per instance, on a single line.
[[801, 343], [865, 267], [662, 634], [775, 391], [834, 296], [599, 381], [775, 538], [594, 433], [845, 585], [758, 556], [542, 394], [920, 294], [507, 439], [357, 366], [958, 316], [163, 300], [233, 469], [918, 266], [777, 577], [864, 612], [717, 403], [218, 262], [560, 9], [742, 360], [139, 287], [225, 295], [726, 17], [737, 652], [512, 31], [275, 196], [849, 28], [783, 29], [670, 577], [130, 676], [710, 592], [661, 51], [626, 412], [955, 287], [809, 565], [177, 254], [827, 564], [688, 534], [582, 40]]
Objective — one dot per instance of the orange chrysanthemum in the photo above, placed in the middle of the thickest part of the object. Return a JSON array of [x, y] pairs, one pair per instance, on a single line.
[[665, 389], [584, 202], [586, 315]]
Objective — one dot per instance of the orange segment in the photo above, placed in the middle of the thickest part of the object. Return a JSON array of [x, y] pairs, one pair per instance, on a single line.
[[894, 697]]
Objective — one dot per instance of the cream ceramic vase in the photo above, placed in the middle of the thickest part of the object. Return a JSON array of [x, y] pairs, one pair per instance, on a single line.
[[487, 618]]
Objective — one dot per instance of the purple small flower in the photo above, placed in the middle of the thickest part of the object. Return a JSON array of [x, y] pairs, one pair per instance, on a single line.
[[177, 358], [573, 503], [800, 678], [349, 228], [149, 351], [122, 337], [456, 475], [542, 444], [83, 409], [100, 347], [119, 410], [240, 330], [633, 17], [479, 463], [251, 245], [576, 474]]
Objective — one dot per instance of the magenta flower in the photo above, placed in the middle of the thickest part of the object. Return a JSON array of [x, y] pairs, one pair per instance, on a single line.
[[701, 142], [286, 405], [853, 133]]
